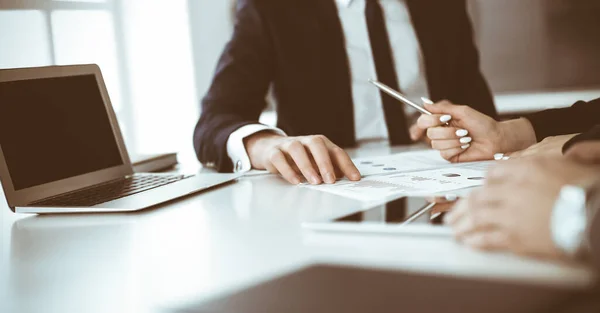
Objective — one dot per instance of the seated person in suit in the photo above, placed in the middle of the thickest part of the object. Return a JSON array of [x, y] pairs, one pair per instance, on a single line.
[[539, 206], [540, 133], [317, 57]]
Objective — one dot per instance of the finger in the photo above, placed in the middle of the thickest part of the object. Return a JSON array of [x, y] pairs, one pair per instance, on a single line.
[[342, 162], [298, 153], [461, 215], [458, 211], [320, 154], [453, 154], [476, 219], [443, 133], [450, 144], [492, 240], [444, 107], [416, 133], [505, 172], [435, 120], [279, 163]]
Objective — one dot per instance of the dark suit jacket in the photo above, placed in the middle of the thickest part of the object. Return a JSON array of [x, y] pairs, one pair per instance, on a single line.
[[298, 48], [578, 118]]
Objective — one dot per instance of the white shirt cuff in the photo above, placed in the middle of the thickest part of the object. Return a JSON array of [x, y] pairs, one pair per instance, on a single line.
[[569, 220], [236, 150]]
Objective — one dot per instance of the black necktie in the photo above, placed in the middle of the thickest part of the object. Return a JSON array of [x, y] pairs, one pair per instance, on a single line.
[[386, 73]]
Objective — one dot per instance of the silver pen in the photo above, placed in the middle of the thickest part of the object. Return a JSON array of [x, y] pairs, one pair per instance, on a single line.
[[401, 97]]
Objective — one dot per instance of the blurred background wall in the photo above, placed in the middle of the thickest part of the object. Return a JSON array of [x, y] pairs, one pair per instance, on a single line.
[[159, 56], [537, 45]]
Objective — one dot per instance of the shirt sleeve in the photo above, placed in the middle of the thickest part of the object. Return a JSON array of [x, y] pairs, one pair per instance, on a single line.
[[236, 150], [591, 135]]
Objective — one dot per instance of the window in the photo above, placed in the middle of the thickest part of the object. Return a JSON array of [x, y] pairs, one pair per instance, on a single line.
[[143, 48]]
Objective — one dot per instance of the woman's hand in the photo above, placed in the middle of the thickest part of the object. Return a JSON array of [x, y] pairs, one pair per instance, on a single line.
[[471, 135], [550, 146]]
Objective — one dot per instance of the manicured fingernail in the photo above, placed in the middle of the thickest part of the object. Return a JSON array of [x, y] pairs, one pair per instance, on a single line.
[[426, 101], [506, 158], [445, 118], [466, 140], [462, 132], [296, 181], [498, 156], [330, 178], [451, 197], [465, 146]]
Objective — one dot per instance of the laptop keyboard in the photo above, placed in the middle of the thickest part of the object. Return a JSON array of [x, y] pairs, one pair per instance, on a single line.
[[110, 191]]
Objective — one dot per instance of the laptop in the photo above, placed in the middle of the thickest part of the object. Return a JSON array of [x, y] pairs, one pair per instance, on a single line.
[[61, 149]]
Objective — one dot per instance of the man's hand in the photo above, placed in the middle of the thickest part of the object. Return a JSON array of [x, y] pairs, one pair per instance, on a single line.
[[314, 158], [550, 147], [471, 135], [513, 210]]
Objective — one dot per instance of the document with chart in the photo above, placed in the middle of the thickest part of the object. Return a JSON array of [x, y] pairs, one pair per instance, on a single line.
[[400, 162], [403, 181]]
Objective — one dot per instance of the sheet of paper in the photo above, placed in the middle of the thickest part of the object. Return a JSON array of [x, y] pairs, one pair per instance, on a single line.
[[376, 188], [401, 162]]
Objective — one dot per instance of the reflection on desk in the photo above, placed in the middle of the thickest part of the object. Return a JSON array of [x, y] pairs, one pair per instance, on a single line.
[[55, 258]]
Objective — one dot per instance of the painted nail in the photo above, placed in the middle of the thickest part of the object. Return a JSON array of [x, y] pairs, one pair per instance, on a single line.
[[445, 118], [506, 158], [465, 146], [462, 132], [451, 197], [330, 178], [426, 100], [498, 156], [466, 140]]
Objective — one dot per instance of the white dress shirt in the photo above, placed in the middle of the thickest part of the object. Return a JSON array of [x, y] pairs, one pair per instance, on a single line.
[[369, 118]]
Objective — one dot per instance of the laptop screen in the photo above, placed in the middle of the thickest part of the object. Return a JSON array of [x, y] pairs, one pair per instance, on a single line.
[[55, 128]]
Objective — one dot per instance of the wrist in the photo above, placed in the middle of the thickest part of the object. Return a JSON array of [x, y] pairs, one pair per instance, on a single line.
[[516, 135]]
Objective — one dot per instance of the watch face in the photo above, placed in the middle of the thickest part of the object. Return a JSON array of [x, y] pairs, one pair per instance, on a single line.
[[569, 219]]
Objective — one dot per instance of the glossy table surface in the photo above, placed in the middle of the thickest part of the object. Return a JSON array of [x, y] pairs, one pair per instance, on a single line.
[[216, 242]]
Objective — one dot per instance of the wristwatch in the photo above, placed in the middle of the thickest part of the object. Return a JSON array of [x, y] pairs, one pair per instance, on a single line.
[[569, 220]]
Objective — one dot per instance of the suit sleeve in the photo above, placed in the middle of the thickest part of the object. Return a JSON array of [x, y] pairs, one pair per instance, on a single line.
[[475, 89], [237, 94], [591, 135], [578, 118]]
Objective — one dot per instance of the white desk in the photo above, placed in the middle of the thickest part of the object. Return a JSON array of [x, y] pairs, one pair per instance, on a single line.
[[211, 243]]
